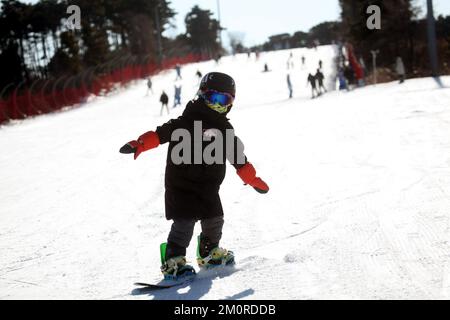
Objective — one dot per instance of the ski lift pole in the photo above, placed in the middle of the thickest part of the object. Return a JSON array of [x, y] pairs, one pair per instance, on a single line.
[[220, 25], [431, 30], [374, 64], [158, 31]]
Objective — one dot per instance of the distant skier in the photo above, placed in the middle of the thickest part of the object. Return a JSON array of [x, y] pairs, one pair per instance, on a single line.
[[177, 95], [266, 68], [290, 62], [342, 80], [400, 69], [320, 77], [289, 84], [164, 99], [316, 43], [192, 185], [312, 82], [350, 76], [149, 85], [198, 74], [178, 71], [320, 64], [362, 81], [303, 61]]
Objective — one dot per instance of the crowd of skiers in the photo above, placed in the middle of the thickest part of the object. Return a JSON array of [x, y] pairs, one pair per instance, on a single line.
[[164, 98], [316, 80], [350, 74]]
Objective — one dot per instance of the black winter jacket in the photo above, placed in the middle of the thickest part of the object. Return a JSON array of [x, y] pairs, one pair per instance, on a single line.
[[164, 99], [192, 190]]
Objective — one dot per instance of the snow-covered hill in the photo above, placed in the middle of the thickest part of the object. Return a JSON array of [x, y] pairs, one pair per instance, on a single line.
[[358, 206]]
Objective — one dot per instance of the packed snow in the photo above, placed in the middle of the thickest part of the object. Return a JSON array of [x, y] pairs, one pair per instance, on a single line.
[[358, 206]]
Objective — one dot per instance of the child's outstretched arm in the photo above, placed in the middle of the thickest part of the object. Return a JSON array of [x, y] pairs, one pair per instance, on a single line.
[[244, 169], [248, 174], [152, 139], [147, 141]]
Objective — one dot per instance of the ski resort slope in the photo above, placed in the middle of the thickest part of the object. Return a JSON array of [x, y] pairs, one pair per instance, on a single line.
[[358, 206]]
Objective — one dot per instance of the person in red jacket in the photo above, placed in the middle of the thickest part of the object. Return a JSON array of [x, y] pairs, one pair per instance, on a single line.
[[192, 181]]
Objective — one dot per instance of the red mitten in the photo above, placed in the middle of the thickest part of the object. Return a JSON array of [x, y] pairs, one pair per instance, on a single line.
[[248, 174], [147, 141]]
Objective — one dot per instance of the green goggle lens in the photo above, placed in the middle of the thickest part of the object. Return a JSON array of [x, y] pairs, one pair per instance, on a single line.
[[218, 107]]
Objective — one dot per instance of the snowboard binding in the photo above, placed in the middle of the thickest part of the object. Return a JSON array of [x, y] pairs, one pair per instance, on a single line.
[[174, 268], [212, 257]]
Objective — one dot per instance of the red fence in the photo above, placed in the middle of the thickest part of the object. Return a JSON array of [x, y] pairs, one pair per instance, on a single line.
[[54, 94]]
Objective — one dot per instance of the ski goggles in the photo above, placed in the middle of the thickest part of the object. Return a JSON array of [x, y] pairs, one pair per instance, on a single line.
[[218, 101]]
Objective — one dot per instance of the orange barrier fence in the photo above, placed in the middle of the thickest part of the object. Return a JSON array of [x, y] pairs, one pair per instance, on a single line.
[[45, 96]]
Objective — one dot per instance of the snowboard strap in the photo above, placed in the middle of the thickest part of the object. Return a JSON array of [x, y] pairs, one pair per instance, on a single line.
[[198, 247]]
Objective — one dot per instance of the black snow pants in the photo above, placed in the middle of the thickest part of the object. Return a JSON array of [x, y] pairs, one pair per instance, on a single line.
[[181, 234]]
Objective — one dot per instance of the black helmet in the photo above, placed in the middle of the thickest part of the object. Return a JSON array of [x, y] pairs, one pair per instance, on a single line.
[[218, 81]]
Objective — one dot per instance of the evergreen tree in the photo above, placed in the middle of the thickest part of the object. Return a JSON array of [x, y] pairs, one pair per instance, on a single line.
[[14, 20], [396, 37], [325, 32], [66, 59], [202, 31], [299, 39]]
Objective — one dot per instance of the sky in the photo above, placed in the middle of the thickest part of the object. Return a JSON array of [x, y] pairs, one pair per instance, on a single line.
[[257, 20]]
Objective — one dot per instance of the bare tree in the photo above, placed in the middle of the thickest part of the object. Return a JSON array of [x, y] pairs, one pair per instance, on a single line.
[[236, 41]]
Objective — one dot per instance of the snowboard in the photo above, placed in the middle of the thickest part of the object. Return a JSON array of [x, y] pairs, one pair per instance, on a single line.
[[165, 284], [184, 279], [219, 271]]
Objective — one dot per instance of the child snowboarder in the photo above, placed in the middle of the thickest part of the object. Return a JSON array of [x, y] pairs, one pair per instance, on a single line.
[[192, 187]]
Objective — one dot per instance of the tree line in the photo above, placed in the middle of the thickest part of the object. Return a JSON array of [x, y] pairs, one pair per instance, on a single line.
[[402, 34], [36, 43]]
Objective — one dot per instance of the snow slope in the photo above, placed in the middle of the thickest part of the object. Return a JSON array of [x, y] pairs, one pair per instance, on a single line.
[[358, 206]]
